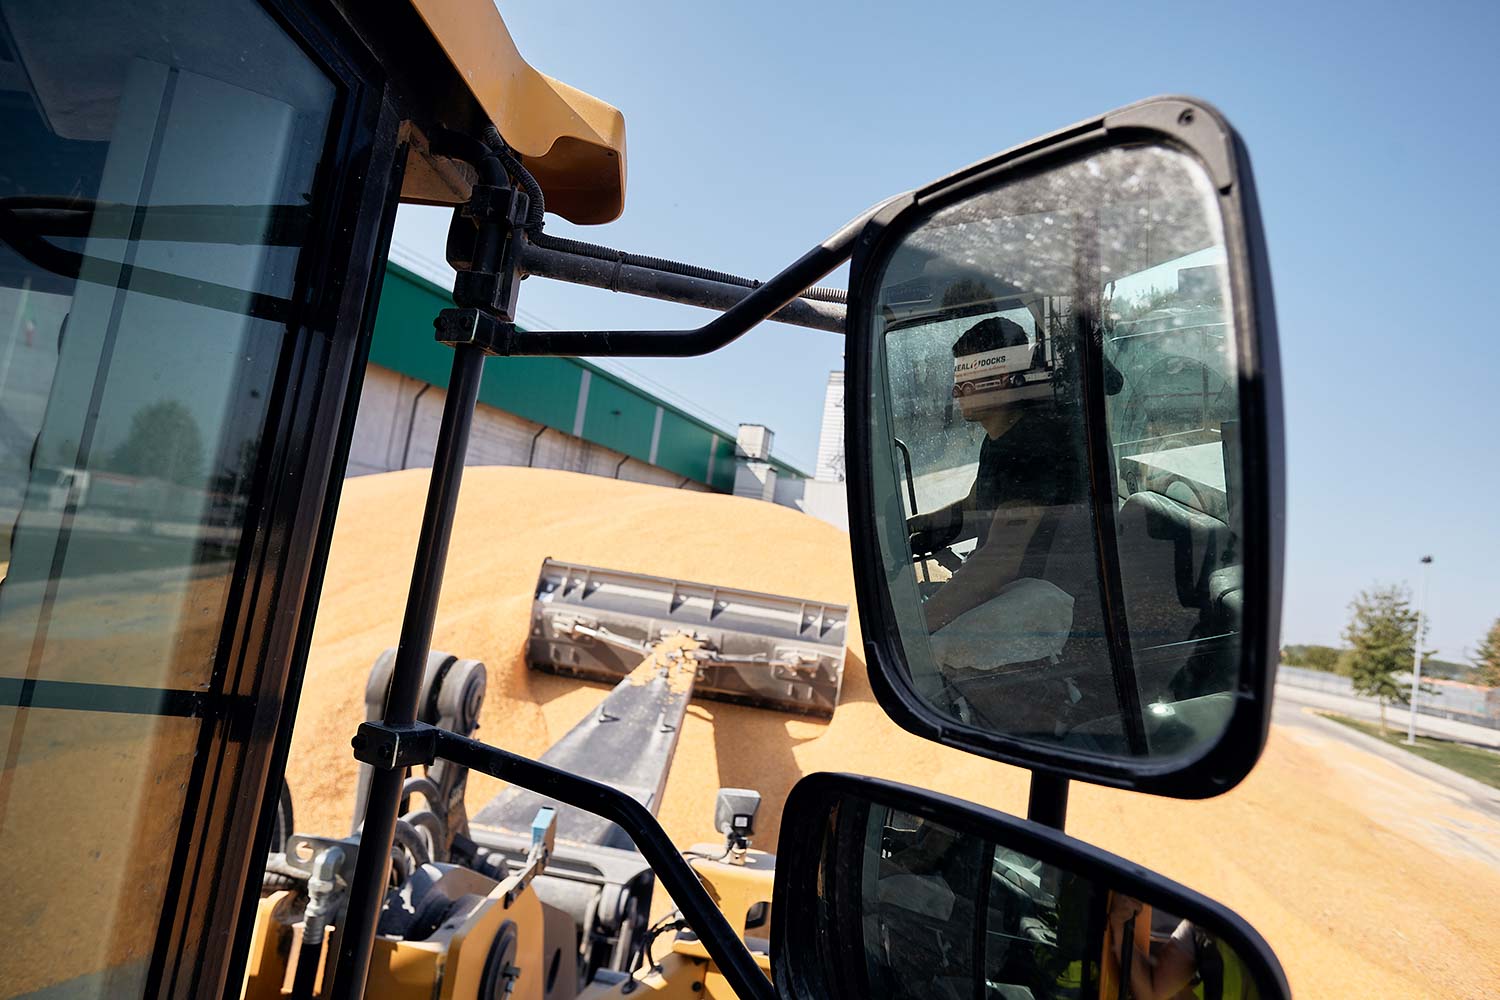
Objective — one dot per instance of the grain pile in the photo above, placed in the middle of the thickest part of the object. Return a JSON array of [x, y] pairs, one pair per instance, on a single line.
[[1318, 848], [90, 806]]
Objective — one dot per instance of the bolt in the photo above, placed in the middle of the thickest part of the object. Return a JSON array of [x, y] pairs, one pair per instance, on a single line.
[[1186, 118]]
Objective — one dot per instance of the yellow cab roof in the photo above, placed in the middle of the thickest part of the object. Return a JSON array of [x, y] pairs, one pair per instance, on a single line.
[[572, 142]]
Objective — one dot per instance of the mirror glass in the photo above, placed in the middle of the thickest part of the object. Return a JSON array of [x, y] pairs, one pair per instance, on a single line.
[[1054, 441], [914, 908]]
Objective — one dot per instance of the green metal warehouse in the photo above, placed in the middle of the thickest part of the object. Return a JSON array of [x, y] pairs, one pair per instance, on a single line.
[[559, 413]]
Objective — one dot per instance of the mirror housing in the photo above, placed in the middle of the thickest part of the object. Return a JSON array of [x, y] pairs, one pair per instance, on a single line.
[[1243, 513], [1037, 914]]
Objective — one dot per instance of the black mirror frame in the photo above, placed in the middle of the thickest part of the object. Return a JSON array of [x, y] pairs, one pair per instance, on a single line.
[[1198, 129], [797, 967]]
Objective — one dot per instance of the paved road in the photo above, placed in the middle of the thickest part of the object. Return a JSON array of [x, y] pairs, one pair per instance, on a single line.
[[1396, 716], [1291, 713]]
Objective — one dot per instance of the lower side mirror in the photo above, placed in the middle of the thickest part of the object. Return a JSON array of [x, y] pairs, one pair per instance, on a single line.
[[888, 891]]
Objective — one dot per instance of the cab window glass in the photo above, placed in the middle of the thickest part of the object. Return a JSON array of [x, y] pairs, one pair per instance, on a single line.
[[156, 190], [1167, 333]]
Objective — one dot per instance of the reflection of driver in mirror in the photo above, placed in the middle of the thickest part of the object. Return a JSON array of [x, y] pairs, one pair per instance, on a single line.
[[1018, 466], [1061, 389], [1026, 588], [1030, 460]]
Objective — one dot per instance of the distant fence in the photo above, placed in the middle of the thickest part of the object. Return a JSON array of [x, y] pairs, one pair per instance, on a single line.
[[1469, 703]]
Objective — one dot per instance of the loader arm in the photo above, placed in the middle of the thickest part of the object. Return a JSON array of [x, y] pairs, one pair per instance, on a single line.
[[627, 743]]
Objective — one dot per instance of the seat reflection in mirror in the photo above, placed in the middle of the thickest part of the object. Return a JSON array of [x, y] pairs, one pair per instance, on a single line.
[[1056, 354], [950, 915]]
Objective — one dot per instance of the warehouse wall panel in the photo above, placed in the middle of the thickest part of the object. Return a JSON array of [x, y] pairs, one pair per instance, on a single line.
[[596, 418], [398, 423], [619, 418]]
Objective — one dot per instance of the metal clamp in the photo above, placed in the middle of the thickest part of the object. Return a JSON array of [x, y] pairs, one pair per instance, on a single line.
[[488, 291], [473, 327], [391, 747], [493, 203]]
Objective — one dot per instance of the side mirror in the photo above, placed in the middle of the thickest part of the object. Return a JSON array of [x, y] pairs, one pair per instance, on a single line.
[[888, 891], [1064, 424]]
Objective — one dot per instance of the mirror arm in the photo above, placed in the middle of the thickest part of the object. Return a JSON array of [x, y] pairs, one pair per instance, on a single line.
[[677, 876], [619, 275], [755, 305], [1047, 801]]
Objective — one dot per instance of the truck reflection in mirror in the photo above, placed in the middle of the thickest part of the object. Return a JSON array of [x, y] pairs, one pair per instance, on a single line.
[[1069, 570]]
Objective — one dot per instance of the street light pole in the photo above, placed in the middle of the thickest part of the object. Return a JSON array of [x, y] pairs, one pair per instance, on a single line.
[[1416, 656]]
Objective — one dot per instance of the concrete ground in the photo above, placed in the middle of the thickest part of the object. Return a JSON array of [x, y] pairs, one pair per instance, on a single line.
[[1297, 716], [1396, 716]]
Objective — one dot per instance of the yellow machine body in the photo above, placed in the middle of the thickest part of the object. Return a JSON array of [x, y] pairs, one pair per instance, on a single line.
[[450, 965], [686, 972], [573, 143]]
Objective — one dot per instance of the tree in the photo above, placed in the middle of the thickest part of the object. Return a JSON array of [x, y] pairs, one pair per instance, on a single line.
[[1382, 635], [165, 442], [1324, 658], [1486, 658]]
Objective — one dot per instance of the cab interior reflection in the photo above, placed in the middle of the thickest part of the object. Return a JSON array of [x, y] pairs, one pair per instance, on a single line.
[[950, 915], [1061, 390]]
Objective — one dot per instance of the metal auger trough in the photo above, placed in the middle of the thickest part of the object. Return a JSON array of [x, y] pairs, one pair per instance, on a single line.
[[757, 649]]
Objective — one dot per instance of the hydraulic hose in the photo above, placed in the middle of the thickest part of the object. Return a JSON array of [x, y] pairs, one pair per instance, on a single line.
[[413, 843], [423, 786], [279, 874], [512, 163], [428, 822], [325, 893]]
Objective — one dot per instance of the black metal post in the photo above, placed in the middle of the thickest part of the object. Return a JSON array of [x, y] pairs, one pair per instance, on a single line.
[[367, 892], [1047, 803]]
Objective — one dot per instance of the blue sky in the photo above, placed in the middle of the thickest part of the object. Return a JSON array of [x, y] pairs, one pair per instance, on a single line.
[[755, 130]]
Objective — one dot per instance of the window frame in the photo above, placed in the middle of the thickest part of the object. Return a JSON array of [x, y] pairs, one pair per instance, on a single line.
[[246, 715]]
